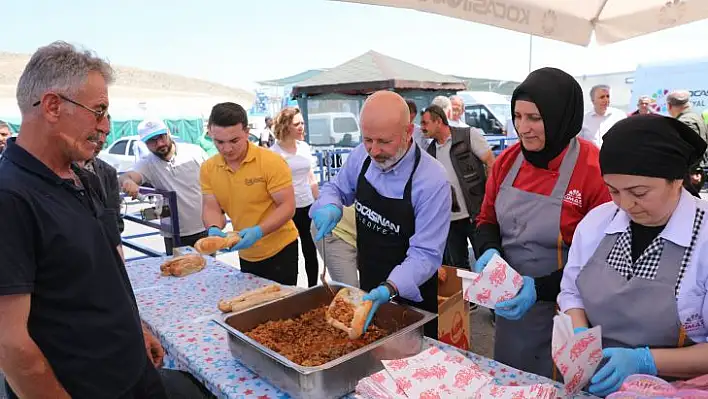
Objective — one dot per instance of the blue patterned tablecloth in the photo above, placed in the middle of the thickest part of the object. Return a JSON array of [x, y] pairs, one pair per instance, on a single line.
[[179, 312]]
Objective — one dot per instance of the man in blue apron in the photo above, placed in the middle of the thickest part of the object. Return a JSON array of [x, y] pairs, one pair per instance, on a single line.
[[402, 201]]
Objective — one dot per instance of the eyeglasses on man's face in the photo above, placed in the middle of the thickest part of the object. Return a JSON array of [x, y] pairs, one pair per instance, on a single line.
[[99, 113]]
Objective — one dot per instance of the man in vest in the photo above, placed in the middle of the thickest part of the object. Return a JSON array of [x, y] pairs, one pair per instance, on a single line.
[[461, 153], [678, 103]]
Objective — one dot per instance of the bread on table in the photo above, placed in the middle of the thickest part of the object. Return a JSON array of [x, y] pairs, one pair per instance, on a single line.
[[211, 244], [252, 298], [184, 265], [348, 311]]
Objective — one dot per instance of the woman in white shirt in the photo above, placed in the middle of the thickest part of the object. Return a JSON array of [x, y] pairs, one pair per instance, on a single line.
[[638, 266], [289, 130]]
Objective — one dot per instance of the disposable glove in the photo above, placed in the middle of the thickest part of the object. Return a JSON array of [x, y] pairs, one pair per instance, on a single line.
[[622, 363], [578, 330], [516, 307], [325, 219], [215, 231], [482, 261], [249, 236], [378, 296]]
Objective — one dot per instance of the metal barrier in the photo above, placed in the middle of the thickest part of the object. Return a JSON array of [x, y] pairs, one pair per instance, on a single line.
[[329, 162], [169, 224], [500, 143]]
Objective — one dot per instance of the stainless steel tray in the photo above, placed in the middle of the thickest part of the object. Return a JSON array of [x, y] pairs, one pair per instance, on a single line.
[[339, 376]]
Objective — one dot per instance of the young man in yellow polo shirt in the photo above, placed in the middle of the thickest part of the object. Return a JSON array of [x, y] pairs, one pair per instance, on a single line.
[[253, 185]]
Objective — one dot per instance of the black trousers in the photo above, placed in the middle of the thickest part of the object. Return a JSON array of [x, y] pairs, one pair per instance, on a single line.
[[309, 251], [185, 241], [148, 387], [281, 267], [456, 252]]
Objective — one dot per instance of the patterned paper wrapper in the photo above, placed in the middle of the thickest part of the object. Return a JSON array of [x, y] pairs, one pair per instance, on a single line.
[[498, 282], [537, 391], [379, 386], [437, 374], [576, 355]]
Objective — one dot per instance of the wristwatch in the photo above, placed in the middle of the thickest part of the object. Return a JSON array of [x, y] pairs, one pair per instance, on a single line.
[[391, 289]]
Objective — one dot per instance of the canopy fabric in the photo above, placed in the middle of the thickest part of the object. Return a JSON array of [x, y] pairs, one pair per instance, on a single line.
[[373, 71], [570, 21]]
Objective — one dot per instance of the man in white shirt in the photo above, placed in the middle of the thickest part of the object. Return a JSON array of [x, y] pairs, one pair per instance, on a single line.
[[598, 121], [170, 167], [267, 137], [457, 116]]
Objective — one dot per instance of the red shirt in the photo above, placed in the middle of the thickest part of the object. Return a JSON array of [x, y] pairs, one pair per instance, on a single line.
[[586, 188]]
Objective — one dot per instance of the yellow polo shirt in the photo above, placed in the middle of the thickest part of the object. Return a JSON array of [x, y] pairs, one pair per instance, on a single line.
[[245, 196]]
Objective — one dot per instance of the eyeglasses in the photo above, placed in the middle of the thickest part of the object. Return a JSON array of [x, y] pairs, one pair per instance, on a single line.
[[99, 113]]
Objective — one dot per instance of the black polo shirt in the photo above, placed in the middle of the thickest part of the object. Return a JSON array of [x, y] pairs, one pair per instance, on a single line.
[[58, 244]]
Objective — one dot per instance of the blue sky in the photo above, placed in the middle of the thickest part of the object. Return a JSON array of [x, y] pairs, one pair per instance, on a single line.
[[238, 42]]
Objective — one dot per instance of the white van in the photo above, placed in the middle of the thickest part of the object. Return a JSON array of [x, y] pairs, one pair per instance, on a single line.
[[486, 110], [656, 80], [339, 129]]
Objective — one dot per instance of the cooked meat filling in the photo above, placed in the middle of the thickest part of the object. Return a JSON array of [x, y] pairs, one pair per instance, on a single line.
[[343, 311], [308, 340]]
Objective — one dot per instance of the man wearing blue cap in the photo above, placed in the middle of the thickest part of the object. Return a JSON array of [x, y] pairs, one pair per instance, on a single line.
[[170, 167]]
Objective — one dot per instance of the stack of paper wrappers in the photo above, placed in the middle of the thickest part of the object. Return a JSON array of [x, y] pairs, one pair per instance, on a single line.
[[439, 374]]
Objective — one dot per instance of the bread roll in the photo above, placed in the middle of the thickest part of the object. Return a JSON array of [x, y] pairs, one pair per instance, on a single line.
[[252, 298], [184, 265], [211, 244], [348, 311]]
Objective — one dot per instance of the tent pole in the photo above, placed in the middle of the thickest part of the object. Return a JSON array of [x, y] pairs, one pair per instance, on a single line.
[[530, 52]]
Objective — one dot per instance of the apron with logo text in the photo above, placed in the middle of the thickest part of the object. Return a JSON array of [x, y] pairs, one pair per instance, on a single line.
[[531, 242], [384, 227], [641, 310]]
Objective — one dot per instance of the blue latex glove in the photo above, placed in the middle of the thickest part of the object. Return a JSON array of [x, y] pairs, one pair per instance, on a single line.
[[378, 296], [325, 219], [578, 330], [516, 307], [215, 231], [482, 261], [622, 363], [249, 236]]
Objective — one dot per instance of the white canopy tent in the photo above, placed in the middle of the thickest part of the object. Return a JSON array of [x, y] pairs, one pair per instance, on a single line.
[[570, 21]]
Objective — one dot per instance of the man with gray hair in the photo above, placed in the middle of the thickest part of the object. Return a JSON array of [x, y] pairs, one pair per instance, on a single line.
[[457, 114], [4, 136], [70, 323], [643, 106], [602, 117]]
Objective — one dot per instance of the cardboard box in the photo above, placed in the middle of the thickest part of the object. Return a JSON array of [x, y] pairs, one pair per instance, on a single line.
[[453, 311]]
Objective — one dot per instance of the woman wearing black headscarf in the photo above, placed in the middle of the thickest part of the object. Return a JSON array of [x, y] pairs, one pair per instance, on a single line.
[[638, 266], [535, 196]]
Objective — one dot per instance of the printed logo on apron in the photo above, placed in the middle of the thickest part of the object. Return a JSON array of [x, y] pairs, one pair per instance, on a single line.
[[375, 221], [694, 324]]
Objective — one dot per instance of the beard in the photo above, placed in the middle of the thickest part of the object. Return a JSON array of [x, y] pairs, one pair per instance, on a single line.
[[163, 152], [391, 161]]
